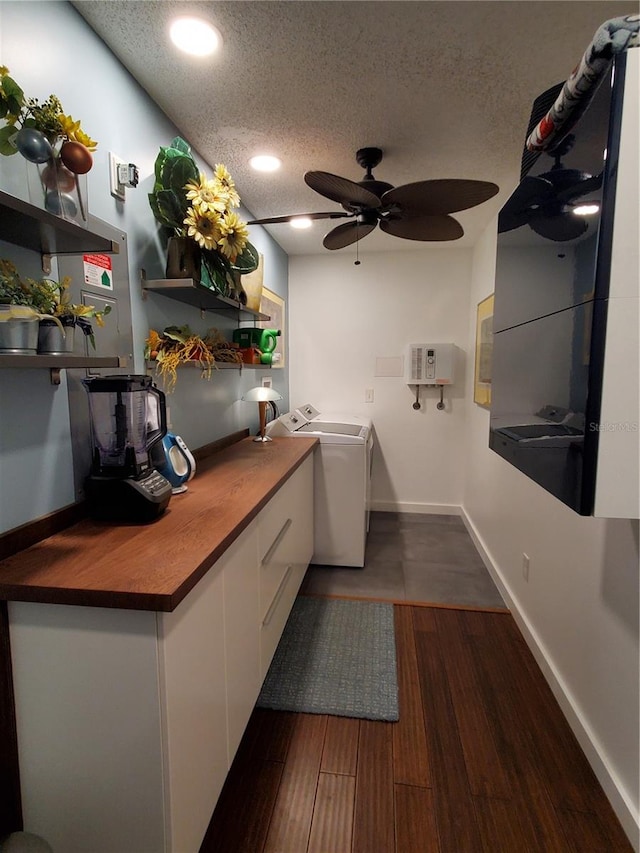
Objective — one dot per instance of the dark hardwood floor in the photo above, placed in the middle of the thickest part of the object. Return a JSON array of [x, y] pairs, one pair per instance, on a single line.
[[481, 760]]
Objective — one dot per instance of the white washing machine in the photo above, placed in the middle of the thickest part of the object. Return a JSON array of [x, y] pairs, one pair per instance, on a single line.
[[342, 480]]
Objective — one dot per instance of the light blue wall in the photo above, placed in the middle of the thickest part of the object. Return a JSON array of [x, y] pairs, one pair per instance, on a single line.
[[48, 48]]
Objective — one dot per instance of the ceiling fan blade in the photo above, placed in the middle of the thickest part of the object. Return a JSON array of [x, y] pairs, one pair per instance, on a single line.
[[341, 190], [274, 220], [423, 227], [431, 198], [581, 188], [565, 226], [346, 234], [523, 203]]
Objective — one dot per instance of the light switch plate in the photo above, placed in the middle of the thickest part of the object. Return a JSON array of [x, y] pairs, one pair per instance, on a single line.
[[117, 189]]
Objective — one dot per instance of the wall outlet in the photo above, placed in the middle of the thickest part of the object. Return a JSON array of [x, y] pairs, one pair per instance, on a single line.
[[368, 395], [117, 189], [267, 382], [525, 567]]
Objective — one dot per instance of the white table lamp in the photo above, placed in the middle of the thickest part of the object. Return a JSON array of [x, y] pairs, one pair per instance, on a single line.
[[261, 395]]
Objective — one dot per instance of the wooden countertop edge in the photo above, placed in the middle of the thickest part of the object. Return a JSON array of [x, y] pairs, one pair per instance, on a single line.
[[198, 573], [150, 601]]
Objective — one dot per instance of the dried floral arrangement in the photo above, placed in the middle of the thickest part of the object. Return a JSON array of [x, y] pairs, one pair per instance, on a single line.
[[178, 345]]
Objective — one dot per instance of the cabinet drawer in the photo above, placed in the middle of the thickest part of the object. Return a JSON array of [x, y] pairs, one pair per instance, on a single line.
[[275, 563], [285, 533], [273, 517], [277, 614]]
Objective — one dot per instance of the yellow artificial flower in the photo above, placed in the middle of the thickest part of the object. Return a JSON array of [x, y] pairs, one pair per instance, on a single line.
[[203, 227], [86, 140], [233, 236], [68, 126], [224, 179], [207, 195], [4, 71], [74, 132]]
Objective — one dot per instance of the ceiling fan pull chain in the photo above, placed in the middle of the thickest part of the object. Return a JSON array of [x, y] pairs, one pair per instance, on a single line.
[[356, 263]]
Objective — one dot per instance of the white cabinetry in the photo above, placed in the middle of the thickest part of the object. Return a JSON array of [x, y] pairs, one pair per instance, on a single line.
[[208, 671], [285, 547], [128, 720]]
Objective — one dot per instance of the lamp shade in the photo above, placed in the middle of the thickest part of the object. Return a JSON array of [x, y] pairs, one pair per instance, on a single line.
[[261, 394]]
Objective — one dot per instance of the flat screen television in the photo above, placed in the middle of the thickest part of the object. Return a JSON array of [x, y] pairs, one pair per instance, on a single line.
[[550, 309]]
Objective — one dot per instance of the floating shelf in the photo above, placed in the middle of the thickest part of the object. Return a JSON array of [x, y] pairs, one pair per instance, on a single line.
[[193, 293], [60, 361], [219, 365], [23, 224], [56, 363]]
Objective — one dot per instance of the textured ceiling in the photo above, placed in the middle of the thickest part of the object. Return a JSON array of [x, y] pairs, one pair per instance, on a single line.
[[444, 88]]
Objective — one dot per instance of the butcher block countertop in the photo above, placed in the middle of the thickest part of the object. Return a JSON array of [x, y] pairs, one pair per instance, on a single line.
[[154, 566]]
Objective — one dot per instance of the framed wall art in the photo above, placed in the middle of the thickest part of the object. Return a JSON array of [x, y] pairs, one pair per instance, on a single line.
[[274, 306], [484, 353]]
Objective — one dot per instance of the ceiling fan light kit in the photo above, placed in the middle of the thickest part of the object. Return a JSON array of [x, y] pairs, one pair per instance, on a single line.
[[416, 211]]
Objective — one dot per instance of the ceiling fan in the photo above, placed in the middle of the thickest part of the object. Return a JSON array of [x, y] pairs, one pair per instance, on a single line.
[[547, 202], [416, 211]]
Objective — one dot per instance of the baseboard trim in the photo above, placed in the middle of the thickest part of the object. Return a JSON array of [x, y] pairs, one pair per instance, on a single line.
[[620, 802], [421, 508]]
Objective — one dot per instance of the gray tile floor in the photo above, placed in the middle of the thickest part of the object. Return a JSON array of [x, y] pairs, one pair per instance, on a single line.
[[413, 557]]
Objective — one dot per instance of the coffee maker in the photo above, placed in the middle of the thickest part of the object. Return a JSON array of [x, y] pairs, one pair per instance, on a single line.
[[128, 416]]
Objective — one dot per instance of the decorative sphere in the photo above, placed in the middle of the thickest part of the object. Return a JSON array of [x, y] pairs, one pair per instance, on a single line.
[[60, 203], [33, 145], [57, 177], [76, 157]]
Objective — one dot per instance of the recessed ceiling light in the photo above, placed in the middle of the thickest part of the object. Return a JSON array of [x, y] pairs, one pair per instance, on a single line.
[[265, 163], [195, 36], [586, 209], [301, 222]]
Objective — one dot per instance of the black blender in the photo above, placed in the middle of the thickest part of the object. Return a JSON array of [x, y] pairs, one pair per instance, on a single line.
[[128, 416]]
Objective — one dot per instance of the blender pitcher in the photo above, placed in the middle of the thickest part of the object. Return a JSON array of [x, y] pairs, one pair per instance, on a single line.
[[128, 416]]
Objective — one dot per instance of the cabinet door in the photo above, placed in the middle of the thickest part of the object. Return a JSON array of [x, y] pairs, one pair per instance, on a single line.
[[194, 709], [242, 633], [89, 728]]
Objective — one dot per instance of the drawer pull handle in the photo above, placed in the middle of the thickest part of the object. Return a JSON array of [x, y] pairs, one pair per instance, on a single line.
[[277, 597], [276, 542]]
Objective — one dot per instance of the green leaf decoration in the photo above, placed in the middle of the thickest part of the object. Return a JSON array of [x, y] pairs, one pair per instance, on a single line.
[[215, 268], [181, 145], [11, 89], [6, 147], [177, 333], [248, 261], [183, 170], [169, 209]]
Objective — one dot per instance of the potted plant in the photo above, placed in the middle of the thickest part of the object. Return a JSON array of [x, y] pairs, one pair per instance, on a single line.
[[19, 312], [179, 345], [207, 240], [44, 135], [52, 299]]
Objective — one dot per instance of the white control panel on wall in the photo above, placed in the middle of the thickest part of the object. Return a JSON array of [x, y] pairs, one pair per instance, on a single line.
[[430, 364]]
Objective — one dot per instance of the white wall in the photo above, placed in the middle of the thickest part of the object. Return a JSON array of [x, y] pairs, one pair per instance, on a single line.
[[35, 442], [579, 608], [343, 318]]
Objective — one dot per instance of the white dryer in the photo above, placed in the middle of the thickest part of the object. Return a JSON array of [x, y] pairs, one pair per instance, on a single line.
[[342, 480]]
